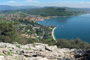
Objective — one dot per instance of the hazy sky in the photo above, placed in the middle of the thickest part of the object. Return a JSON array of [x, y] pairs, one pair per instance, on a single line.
[[66, 3]]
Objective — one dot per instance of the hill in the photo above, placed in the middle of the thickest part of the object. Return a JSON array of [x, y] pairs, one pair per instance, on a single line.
[[56, 11], [49, 11], [7, 7], [44, 11]]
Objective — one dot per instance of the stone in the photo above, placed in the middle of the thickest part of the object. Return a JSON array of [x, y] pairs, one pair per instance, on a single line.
[[2, 58], [38, 58]]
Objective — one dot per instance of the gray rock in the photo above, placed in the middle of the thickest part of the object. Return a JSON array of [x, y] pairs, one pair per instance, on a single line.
[[2, 58], [37, 51]]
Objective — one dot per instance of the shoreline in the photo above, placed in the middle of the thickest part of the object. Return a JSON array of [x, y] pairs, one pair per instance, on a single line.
[[50, 17], [53, 36]]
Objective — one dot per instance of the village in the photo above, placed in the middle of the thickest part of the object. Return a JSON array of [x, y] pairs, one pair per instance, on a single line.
[[22, 16], [28, 26]]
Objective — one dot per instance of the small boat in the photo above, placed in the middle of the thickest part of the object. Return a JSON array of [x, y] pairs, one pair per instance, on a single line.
[[62, 25]]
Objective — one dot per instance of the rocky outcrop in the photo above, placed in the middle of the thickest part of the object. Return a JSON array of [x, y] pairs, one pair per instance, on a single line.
[[37, 51]]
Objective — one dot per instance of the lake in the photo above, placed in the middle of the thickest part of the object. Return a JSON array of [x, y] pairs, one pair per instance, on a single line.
[[70, 27]]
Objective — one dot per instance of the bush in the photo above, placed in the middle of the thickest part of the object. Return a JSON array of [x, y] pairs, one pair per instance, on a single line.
[[8, 33], [63, 43], [76, 43]]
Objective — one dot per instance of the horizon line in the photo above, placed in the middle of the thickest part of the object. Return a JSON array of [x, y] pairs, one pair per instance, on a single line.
[[44, 6]]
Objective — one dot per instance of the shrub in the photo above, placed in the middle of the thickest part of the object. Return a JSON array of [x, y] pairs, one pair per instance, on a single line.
[[76, 43]]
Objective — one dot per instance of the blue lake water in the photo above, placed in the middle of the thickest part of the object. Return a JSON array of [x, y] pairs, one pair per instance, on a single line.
[[70, 27]]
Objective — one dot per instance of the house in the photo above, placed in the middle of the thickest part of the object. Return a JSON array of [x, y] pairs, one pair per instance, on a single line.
[[36, 27]]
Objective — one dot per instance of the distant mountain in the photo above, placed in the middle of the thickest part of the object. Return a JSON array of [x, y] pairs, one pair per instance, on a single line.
[[71, 9], [6, 7], [77, 9], [44, 11]]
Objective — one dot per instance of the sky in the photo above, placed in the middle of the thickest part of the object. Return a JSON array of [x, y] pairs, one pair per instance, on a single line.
[[59, 3]]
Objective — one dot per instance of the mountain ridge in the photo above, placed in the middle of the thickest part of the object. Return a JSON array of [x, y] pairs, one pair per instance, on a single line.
[[7, 7]]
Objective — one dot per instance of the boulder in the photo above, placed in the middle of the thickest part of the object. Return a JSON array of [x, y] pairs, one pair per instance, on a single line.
[[2, 58], [37, 58]]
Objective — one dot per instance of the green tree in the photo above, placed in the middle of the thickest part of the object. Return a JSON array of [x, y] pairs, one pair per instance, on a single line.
[[7, 32], [63, 43]]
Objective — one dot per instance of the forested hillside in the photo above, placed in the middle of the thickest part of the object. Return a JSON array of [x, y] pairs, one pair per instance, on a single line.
[[49, 11]]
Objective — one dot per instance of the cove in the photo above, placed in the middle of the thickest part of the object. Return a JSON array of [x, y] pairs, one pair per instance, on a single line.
[[70, 27]]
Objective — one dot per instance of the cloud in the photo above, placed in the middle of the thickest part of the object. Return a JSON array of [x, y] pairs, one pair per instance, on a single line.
[[32, 1], [12, 1], [82, 2], [88, 2]]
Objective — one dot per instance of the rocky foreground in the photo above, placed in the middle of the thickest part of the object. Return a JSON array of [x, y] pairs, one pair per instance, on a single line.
[[37, 51]]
